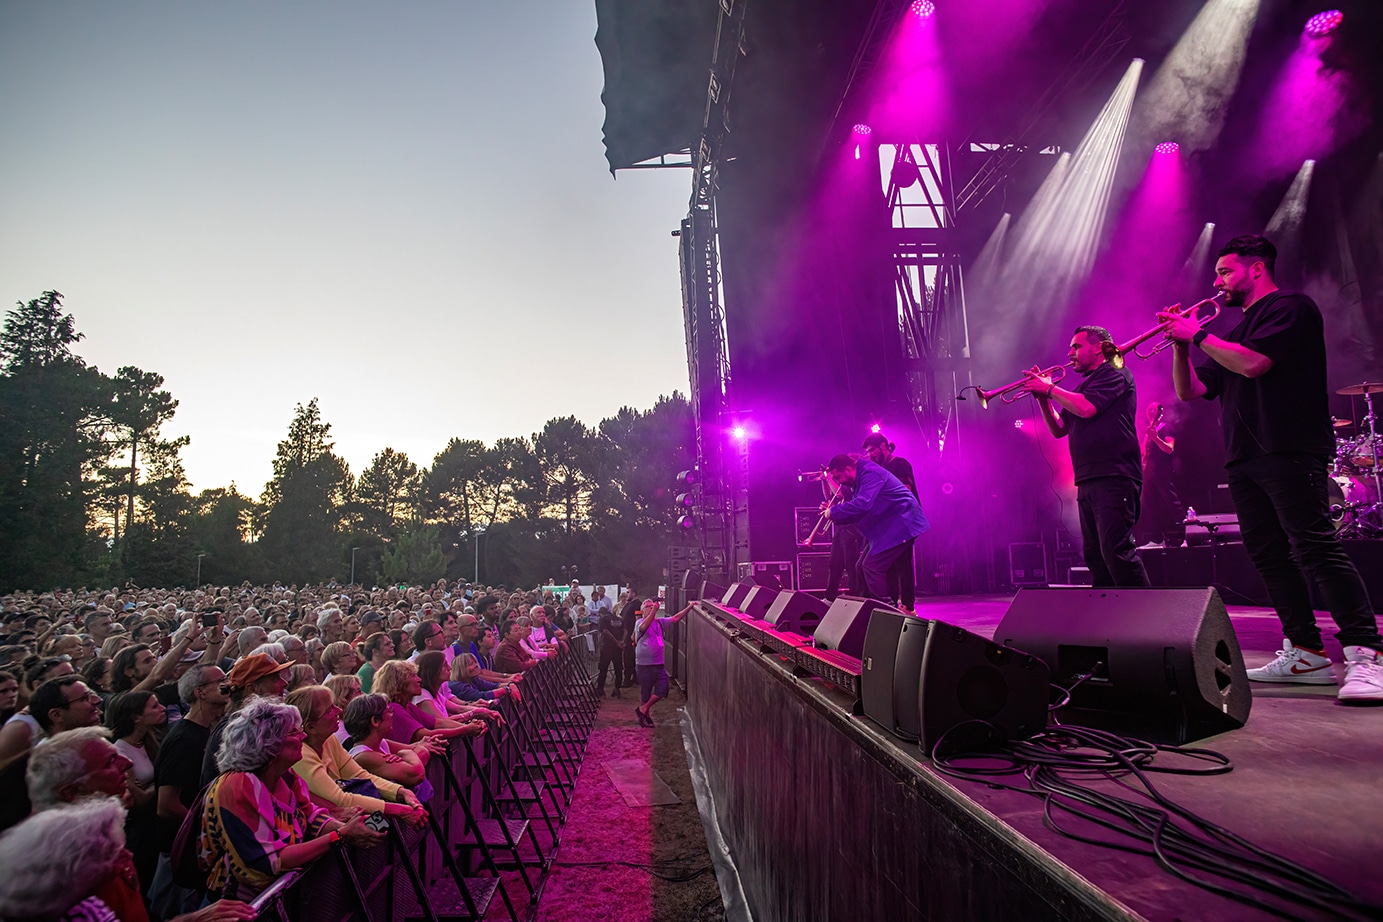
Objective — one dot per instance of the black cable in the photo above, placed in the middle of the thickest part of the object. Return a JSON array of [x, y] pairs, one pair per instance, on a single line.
[[1054, 763]]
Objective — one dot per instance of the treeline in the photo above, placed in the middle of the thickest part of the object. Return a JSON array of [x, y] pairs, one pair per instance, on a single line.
[[91, 493]]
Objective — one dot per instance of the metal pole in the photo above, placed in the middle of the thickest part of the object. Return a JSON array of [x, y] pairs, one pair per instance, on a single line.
[[477, 555], [353, 550], [199, 568]]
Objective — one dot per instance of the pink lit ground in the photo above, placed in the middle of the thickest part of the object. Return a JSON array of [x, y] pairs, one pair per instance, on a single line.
[[601, 870]]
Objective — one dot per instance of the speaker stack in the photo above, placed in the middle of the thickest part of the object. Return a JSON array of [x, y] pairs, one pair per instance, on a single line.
[[1162, 664], [797, 612]]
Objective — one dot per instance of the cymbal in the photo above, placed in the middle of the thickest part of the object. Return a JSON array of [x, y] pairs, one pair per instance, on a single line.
[[1341, 423], [1356, 390]]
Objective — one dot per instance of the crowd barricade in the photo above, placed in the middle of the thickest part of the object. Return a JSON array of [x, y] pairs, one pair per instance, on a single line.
[[498, 805]]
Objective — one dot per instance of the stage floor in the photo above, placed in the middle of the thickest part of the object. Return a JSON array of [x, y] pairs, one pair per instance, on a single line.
[[1307, 783]]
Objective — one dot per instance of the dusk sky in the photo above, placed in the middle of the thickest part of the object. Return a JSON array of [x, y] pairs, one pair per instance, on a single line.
[[403, 210]]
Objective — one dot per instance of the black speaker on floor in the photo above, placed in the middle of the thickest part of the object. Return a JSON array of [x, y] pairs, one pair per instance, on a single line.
[[1164, 664], [734, 596], [713, 591], [797, 612], [844, 626], [692, 583], [891, 669], [974, 691], [759, 600]]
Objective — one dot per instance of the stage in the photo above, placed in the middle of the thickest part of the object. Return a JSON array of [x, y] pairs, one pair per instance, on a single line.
[[828, 816]]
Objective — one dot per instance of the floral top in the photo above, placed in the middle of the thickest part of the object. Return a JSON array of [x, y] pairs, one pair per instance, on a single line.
[[245, 826]]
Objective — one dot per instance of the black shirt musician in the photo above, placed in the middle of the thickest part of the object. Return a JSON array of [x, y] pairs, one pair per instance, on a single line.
[[1269, 374], [902, 579], [1098, 419]]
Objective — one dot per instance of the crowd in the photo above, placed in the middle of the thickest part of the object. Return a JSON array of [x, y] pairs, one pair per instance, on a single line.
[[165, 754]]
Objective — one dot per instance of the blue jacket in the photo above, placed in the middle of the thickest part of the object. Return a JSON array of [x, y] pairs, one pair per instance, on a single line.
[[886, 511]]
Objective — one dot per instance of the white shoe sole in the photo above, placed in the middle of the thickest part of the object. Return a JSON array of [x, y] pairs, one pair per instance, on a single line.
[[1308, 679], [1374, 698]]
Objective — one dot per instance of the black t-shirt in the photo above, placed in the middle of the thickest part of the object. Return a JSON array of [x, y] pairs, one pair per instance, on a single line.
[[902, 469], [1287, 409], [609, 622], [1106, 444], [629, 616], [209, 767], [179, 765]]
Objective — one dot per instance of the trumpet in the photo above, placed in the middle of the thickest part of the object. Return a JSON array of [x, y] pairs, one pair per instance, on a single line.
[[1132, 345], [1011, 393]]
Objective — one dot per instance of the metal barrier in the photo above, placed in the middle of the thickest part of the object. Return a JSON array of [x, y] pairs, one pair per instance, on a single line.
[[499, 802]]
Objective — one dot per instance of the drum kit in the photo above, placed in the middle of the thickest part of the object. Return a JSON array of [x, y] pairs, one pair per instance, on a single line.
[[1356, 479]]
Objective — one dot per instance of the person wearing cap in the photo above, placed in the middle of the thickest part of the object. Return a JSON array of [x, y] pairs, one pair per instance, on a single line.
[[254, 676], [371, 623]]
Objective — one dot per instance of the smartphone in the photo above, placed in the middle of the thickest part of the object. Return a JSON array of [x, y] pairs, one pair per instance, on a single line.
[[377, 821], [209, 619]]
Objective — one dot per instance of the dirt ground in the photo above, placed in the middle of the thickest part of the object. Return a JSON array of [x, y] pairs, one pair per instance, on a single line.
[[619, 863]]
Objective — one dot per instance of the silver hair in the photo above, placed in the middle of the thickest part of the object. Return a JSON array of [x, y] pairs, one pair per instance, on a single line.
[[255, 734], [537, 609], [56, 854], [325, 614], [57, 762], [278, 635], [182, 631], [274, 651], [250, 638], [191, 679]]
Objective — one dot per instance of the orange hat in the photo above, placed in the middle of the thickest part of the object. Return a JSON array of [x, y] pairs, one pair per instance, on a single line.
[[253, 668]]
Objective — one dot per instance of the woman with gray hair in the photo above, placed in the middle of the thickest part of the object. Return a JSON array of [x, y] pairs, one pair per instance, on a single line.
[[259, 819]]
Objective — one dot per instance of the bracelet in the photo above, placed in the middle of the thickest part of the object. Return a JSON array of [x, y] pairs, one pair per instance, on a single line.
[[334, 835], [1199, 337], [1051, 388]]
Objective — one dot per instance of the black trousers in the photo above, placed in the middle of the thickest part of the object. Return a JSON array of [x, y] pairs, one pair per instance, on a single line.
[[875, 568], [902, 579], [845, 555], [610, 655], [1283, 508], [1109, 508], [629, 669]]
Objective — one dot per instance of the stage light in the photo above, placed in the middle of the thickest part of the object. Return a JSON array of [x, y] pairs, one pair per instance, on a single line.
[[687, 478], [686, 522], [1322, 24], [1191, 92], [874, 429], [922, 9], [739, 433], [1167, 147], [1285, 226], [686, 499], [860, 133]]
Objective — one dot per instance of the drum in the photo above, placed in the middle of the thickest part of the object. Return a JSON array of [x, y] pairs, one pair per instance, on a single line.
[[1335, 491], [1344, 452], [1364, 453]]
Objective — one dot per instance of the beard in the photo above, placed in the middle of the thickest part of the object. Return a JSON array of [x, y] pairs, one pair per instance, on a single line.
[[1235, 297]]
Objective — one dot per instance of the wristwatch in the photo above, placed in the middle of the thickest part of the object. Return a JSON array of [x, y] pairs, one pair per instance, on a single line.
[[1199, 337]]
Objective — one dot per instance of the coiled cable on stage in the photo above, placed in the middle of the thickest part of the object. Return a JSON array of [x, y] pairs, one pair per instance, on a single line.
[[1061, 765]]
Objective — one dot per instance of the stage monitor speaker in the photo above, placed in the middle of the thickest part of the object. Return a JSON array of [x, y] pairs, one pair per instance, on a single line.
[[797, 612], [845, 624], [1164, 664], [974, 692], [712, 591], [734, 596], [759, 600], [921, 680]]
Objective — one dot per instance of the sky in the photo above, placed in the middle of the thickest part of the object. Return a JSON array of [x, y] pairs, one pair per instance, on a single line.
[[403, 210]]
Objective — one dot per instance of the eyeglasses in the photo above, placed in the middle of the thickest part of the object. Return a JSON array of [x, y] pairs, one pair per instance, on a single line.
[[89, 696]]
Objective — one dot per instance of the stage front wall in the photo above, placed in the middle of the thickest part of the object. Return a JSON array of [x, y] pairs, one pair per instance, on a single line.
[[828, 818]]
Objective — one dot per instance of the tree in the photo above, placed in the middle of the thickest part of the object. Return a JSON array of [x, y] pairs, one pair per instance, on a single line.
[[564, 452], [456, 484], [304, 502], [138, 409], [415, 557], [53, 415], [387, 492]]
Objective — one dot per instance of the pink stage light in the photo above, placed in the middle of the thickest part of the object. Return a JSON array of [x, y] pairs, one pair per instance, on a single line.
[[860, 133], [1322, 24], [923, 8], [1167, 147], [738, 432], [874, 428]]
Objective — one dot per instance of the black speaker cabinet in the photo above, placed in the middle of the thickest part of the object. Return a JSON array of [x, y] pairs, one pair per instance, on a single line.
[[844, 626], [891, 669], [734, 596], [813, 570], [974, 691], [796, 612], [692, 581], [1164, 663], [924, 679], [759, 600]]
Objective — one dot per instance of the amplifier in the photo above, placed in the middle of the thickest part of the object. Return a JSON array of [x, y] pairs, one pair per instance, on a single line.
[[1027, 563], [804, 520], [813, 569]]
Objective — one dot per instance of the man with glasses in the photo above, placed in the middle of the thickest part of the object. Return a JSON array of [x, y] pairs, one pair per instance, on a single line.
[[429, 635], [177, 778], [64, 703], [648, 657]]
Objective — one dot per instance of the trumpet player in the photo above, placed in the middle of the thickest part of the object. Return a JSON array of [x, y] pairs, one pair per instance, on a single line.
[[1098, 419], [1269, 374]]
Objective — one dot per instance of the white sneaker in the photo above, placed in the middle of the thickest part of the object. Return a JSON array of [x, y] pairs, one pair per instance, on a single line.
[[1363, 676], [1297, 665]]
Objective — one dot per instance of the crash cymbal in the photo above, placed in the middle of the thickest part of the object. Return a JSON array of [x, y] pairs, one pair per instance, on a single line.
[[1356, 390], [1341, 423]]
